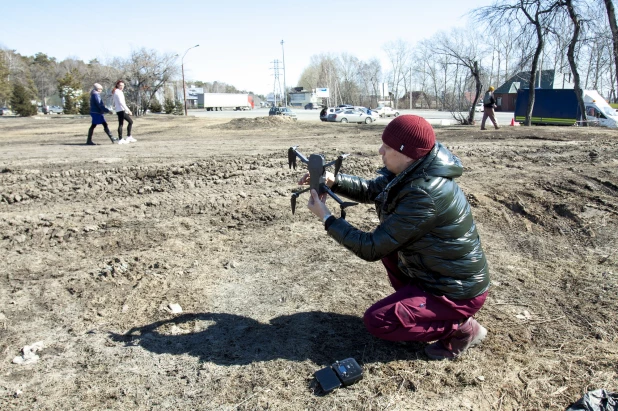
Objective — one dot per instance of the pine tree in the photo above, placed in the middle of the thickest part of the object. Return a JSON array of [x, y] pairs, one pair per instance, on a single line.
[[21, 101], [179, 109], [155, 106], [70, 89], [5, 86], [84, 104], [169, 105]]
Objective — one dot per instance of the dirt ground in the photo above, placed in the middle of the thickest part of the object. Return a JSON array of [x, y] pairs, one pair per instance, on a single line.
[[98, 242]]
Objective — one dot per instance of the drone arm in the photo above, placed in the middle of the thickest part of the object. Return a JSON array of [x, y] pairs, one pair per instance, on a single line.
[[333, 195], [341, 203], [302, 157], [298, 193], [337, 163]]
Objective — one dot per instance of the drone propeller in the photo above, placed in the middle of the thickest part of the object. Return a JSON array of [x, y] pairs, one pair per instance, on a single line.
[[292, 154], [295, 196], [339, 162], [292, 157]]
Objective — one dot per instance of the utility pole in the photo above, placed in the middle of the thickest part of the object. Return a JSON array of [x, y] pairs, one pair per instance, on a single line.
[[277, 83], [285, 97], [410, 88], [182, 66]]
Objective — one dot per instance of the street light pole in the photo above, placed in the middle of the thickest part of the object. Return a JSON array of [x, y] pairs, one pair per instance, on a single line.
[[410, 88], [284, 86], [182, 66]]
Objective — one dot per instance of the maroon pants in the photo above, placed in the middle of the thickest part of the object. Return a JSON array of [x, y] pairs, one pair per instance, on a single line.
[[412, 314]]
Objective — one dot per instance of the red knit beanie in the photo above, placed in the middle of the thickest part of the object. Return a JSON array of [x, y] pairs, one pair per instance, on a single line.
[[410, 135]]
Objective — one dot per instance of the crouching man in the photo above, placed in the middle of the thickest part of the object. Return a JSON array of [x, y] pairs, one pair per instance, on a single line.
[[426, 239]]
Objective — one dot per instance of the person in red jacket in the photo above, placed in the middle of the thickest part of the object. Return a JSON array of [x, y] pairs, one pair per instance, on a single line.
[[426, 239]]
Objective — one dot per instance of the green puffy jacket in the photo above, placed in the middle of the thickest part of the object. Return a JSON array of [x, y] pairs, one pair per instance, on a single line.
[[426, 218]]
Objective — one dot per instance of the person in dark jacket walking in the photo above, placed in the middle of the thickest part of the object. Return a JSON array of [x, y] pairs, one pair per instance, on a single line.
[[426, 239], [489, 104], [97, 109]]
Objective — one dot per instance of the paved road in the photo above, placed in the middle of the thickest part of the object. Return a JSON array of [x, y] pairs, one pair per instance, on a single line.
[[433, 116]]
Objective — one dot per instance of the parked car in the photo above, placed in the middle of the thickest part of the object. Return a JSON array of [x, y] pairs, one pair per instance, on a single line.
[[479, 107], [386, 111], [282, 111], [52, 110], [374, 115], [311, 106], [351, 115], [4, 111], [327, 111]]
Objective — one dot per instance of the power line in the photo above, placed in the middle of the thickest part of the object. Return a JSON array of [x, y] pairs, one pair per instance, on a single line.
[[277, 91]]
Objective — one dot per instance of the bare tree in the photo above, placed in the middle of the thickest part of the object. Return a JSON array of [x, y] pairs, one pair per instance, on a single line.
[[369, 74], [348, 71], [460, 46], [322, 72], [146, 72], [398, 53], [611, 17], [574, 16], [526, 14], [421, 73]]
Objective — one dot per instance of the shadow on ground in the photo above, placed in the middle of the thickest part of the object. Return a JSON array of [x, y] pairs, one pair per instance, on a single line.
[[229, 339]]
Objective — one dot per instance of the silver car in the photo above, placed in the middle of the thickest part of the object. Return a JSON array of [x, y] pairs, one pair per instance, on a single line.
[[374, 115], [52, 110], [351, 115], [386, 111]]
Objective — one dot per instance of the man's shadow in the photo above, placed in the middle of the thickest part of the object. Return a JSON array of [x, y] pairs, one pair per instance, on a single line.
[[228, 339]]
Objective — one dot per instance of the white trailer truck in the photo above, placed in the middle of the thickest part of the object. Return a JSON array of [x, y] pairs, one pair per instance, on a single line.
[[221, 101]]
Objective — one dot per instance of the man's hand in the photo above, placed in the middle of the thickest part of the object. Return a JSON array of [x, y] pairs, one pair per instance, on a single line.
[[317, 205], [306, 179]]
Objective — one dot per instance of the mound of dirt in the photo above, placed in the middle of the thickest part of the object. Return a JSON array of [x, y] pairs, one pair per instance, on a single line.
[[258, 122]]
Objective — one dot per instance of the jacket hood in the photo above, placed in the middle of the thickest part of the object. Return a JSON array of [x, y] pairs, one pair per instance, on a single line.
[[440, 162]]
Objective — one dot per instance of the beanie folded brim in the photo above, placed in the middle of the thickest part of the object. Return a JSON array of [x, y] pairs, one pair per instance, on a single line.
[[410, 135]]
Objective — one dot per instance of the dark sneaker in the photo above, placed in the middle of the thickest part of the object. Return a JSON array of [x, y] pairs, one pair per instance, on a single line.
[[90, 143], [470, 334]]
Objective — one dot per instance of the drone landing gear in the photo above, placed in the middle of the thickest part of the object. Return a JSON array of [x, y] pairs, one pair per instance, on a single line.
[[324, 188]]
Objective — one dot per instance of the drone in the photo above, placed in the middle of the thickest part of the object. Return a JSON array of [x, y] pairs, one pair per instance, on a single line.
[[317, 176]]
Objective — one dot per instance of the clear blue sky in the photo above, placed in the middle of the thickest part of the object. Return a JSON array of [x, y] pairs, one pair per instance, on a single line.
[[239, 40]]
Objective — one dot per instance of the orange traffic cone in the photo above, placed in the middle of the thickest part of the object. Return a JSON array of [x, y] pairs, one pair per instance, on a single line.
[[512, 122]]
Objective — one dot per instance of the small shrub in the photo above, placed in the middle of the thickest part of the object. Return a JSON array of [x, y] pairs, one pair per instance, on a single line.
[[84, 104], [155, 106], [169, 105], [21, 101], [179, 110]]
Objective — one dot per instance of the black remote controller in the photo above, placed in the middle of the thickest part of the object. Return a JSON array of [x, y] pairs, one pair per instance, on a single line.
[[345, 372]]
